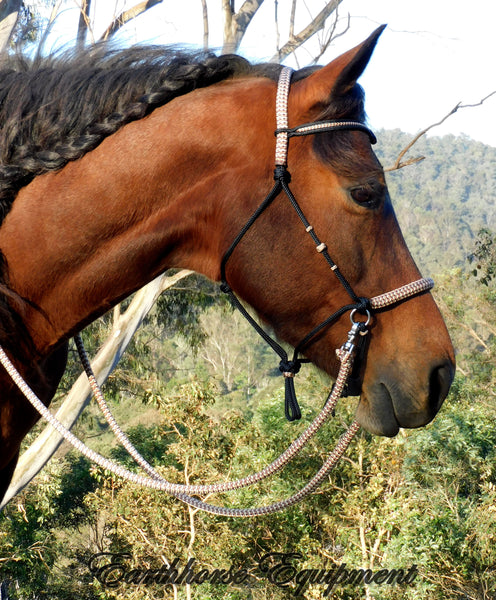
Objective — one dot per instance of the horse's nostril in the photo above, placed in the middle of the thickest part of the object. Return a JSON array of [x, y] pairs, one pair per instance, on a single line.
[[440, 381]]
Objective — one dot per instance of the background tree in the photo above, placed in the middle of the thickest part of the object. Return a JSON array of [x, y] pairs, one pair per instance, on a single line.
[[9, 14], [484, 256]]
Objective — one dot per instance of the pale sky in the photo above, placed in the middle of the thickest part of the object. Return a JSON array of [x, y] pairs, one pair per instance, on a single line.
[[433, 55]]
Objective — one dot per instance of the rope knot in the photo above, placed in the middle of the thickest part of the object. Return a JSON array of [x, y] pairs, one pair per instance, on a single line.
[[364, 305], [289, 368], [282, 174]]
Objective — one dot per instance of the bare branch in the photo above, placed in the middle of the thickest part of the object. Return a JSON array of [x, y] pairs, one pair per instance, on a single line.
[[399, 164], [236, 24], [292, 20], [205, 24], [310, 30], [332, 36], [228, 11], [128, 15], [48, 29], [276, 19], [84, 23]]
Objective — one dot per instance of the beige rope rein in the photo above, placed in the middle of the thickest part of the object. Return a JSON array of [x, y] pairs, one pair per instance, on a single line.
[[155, 481]]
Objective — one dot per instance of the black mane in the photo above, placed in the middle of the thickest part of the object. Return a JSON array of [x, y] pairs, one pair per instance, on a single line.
[[54, 110]]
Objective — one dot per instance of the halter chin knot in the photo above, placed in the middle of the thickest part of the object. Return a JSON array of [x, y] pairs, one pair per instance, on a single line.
[[364, 306], [224, 287], [289, 368], [282, 174]]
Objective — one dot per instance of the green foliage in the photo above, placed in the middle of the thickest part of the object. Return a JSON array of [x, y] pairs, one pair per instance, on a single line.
[[484, 256], [450, 478], [444, 200], [180, 310]]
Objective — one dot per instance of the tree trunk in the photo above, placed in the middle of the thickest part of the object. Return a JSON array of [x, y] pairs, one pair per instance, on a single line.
[[236, 24], [45, 445], [9, 12], [4, 591]]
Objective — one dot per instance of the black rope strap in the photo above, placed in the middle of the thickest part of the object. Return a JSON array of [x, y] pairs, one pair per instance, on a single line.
[[290, 367]]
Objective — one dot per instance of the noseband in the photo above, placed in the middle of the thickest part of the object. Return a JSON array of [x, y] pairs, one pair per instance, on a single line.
[[289, 368], [282, 177]]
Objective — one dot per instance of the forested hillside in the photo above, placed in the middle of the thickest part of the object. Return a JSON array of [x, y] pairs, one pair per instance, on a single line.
[[443, 201], [201, 397]]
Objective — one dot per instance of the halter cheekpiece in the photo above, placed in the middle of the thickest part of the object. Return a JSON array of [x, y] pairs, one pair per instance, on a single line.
[[282, 177]]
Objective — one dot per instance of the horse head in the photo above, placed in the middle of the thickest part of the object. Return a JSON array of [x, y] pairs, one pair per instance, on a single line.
[[340, 186]]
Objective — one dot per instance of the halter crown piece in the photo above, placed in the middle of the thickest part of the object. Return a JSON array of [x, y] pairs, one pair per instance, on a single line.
[[289, 368]]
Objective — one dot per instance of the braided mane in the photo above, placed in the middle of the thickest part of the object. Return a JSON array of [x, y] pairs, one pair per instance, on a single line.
[[54, 110]]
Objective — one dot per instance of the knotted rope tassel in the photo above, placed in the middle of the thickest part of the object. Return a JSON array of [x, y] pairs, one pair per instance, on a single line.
[[289, 368]]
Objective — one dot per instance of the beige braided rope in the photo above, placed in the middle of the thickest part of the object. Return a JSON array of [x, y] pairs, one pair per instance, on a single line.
[[155, 481], [412, 289], [98, 395], [269, 470], [282, 116], [179, 490], [315, 127]]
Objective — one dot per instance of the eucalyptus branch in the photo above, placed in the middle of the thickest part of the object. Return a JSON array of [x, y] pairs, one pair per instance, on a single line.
[[128, 15], [316, 25], [205, 24], [276, 19], [332, 35], [292, 19], [399, 164]]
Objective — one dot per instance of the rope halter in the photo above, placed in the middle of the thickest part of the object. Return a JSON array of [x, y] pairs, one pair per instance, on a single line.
[[290, 367]]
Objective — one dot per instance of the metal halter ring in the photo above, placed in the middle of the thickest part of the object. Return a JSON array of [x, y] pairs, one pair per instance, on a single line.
[[355, 322]]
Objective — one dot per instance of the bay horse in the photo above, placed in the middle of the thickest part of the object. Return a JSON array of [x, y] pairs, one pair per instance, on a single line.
[[116, 165]]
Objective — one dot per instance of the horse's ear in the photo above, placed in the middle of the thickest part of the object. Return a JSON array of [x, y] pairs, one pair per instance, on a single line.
[[338, 77]]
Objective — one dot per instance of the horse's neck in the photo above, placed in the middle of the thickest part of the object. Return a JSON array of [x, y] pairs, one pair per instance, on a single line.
[[148, 198]]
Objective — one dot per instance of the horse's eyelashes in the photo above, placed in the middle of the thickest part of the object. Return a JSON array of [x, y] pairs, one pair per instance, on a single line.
[[362, 195], [369, 196]]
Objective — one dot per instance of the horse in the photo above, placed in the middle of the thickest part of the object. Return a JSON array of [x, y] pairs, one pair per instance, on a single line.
[[118, 164]]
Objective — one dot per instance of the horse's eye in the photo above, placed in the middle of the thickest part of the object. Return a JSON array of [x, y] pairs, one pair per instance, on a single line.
[[363, 195]]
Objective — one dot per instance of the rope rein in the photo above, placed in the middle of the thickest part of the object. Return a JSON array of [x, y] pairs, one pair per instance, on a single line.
[[182, 492], [289, 368]]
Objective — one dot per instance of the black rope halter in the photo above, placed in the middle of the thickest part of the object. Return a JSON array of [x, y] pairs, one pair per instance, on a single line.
[[290, 367]]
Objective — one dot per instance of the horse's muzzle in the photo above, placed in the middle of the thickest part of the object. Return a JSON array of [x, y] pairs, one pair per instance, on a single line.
[[400, 400]]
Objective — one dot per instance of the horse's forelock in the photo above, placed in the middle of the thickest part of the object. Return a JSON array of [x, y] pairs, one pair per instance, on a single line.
[[339, 151]]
